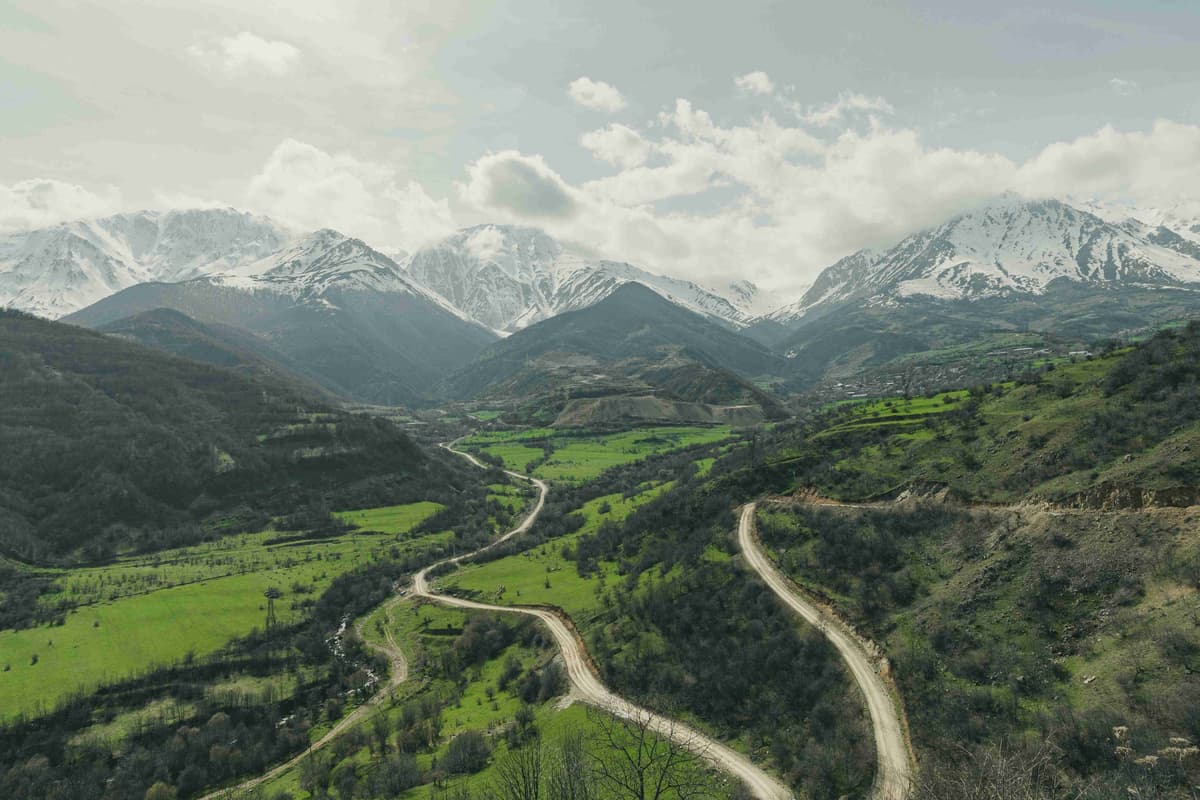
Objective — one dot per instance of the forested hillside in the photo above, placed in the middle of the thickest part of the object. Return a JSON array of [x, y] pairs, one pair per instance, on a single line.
[[110, 446]]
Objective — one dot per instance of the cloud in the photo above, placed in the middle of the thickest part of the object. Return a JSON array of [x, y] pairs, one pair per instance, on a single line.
[[40, 202], [846, 103], [309, 188], [1156, 167], [518, 185], [755, 83], [777, 202], [596, 95], [247, 53], [618, 145], [485, 243], [1122, 86]]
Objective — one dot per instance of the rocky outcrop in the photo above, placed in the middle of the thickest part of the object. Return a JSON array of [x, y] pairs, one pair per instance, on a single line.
[[1110, 496]]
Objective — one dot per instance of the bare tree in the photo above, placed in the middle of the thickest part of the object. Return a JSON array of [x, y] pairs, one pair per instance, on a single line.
[[519, 773], [567, 773], [633, 761], [987, 773]]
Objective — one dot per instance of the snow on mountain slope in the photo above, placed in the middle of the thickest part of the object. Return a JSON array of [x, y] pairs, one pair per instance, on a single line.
[[54, 271], [1182, 218], [1174, 227], [324, 262], [1011, 246], [507, 278]]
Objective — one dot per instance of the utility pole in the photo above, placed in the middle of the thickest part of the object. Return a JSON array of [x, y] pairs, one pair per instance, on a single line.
[[272, 594]]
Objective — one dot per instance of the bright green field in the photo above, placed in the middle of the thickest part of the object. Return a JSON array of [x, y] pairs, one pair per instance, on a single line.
[[515, 455], [577, 458], [520, 579], [192, 600], [391, 519]]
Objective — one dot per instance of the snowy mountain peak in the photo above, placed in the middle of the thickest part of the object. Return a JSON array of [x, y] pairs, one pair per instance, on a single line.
[[509, 277], [54, 271], [325, 262], [1011, 246]]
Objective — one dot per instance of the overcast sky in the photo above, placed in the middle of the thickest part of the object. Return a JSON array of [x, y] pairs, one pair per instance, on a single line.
[[716, 141]]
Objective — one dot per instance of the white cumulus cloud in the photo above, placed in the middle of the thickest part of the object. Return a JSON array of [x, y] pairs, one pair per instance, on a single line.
[[846, 103], [596, 95], [518, 186], [757, 82], [245, 53], [1156, 167], [39, 202], [309, 188], [617, 144], [775, 203]]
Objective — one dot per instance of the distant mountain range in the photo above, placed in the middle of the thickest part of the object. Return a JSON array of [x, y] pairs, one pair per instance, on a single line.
[[500, 309], [1010, 247], [1041, 268], [508, 278], [54, 271], [502, 277], [343, 314]]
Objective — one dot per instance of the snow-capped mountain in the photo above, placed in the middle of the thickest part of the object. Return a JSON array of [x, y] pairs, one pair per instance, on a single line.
[[327, 307], [1181, 218], [1009, 247], [54, 271], [508, 278], [322, 262]]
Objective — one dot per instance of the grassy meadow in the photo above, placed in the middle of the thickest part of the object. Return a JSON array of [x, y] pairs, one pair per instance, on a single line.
[[146, 611], [575, 457], [544, 576]]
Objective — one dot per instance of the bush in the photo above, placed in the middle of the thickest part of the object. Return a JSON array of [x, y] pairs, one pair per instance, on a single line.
[[468, 752]]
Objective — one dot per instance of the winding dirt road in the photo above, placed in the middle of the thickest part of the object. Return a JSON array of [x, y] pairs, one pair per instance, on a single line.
[[894, 772], [584, 682]]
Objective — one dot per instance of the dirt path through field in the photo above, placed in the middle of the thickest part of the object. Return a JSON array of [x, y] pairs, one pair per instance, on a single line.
[[585, 684]]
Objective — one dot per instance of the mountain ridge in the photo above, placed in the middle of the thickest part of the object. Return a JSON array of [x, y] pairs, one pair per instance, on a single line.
[[1006, 248], [341, 311], [509, 277], [633, 322], [55, 271]]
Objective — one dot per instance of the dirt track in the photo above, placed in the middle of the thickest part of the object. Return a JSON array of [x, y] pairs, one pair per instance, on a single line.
[[587, 686], [397, 675], [893, 775]]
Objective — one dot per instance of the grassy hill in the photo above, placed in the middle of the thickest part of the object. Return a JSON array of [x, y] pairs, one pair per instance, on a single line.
[[1027, 556], [1120, 429]]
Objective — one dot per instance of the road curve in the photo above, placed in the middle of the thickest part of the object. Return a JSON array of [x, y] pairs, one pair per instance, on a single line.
[[587, 685], [894, 771], [396, 676]]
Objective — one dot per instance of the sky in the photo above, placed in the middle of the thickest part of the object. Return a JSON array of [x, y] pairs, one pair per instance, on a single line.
[[712, 141]]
